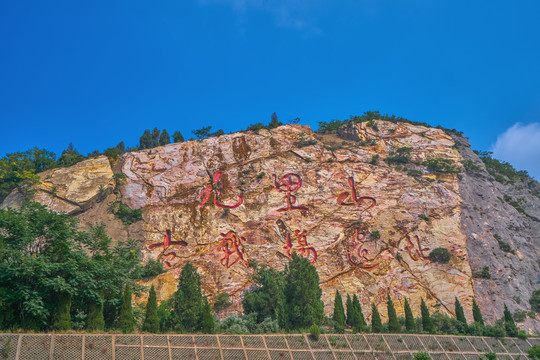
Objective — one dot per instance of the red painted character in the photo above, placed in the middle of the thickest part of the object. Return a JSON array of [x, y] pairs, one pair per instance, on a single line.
[[355, 200], [416, 254], [289, 183], [215, 188], [303, 249], [166, 257], [231, 244], [358, 255]]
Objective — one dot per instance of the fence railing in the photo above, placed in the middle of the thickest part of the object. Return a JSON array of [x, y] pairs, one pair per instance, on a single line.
[[256, 347]]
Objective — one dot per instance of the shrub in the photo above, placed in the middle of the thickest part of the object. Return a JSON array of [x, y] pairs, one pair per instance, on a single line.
[[534, 352], [440, 166], [522, 334], [315, 332], [151, 268], [484, 274], [440, 255], [535, 301], [400, 156], [374, 159], [491, 356], [422, 356], [375, 235], [125, 213]]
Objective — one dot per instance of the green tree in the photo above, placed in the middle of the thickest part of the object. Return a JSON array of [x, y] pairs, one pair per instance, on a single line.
[[177, 137], [393, 324], [145, 142], [207, 320], [534, 300], [155, 137], [62, 318], [376, 323], [151, 319], [187, 301], [164, 138], [358, 321], [202, 133], [509, 324], [410, 324], [427, 323], [126, 321], [265, 294], [339, 314], [301, 305], [69, 157], [274, 122], [95, 320], [477, 315], [349, 310], [460, 316]]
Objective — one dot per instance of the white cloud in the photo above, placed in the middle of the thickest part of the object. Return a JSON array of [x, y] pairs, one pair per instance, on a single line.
[[520, 146]]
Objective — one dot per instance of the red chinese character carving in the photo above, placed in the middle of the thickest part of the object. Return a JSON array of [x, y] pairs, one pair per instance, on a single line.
[[289, 183], [231, 244], [358, 255], [215, 187], [166, 257], [304, 250], [416, 254], [355, 200]]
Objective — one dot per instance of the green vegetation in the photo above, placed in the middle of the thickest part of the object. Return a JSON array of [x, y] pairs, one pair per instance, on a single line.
[[221, 302], [484, 274], [315, 332], [477, 315], [126, 321], [440, 166], [369, 116], [376, 323], [358, 322], [339, 314], [125, 213], [422, 356], [274, 123], [399, 157], [393, 324], [460, 316], [95, 320], [62, 318], [187, 302], [427, 323], [501, 171], [440, 255], [534, 352], [503, 245], [151, 319], [535, 301], [178, 137], [509, 324], [410, 324]]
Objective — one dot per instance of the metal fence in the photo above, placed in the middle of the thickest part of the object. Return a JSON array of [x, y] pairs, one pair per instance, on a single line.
[[256, 347]]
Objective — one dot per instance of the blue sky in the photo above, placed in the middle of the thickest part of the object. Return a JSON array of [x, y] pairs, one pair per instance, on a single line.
[[95, 73]]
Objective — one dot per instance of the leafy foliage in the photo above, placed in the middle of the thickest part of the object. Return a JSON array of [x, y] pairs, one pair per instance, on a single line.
[[440, 166], [440, 255], [534, 300], [69, 157], [62, 318], [501, 171], [125, 213], [264, 296], [221, 302], [178, 137], [96, 321], [126, 321], [187, 302], [151, 319], [399, 157], [509, 324], [422, 356], [315, 332]]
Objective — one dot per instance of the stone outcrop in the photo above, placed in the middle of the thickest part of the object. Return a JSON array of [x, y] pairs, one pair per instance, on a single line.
[[367, 225]]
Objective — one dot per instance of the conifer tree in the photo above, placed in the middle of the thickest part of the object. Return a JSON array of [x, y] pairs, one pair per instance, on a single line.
[[207, 320], [164, 138], [393, 324], [376, 323], [151, 319], [427, 323], [178, 137], [359, 322], [145, 142], [187, 300], [62, 319], [95, 321], [410, 324], [509, 324], [460, 315], [477, 315], [349, 310], [155, 137], [126, 320], [339, 313]]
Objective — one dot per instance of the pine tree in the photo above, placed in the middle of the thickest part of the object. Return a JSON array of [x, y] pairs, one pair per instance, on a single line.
[[187, 300], [410, 324], [155, 137], [177, 137], [349, 310], [126, 321], [95, 321], [145, 142], [274, 121], [62, 319], [427, 323], [393, 324], [359, 322], [164, 138], [207, 320], [339, 313], [151, 319], [509, 324], [301, 306], [477, 315], [460, 316], [376, 323]]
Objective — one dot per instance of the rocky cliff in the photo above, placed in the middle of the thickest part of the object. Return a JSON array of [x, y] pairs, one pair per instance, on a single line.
[[368, 225]]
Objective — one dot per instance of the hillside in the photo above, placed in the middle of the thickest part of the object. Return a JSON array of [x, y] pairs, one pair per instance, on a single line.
[[366, 205]]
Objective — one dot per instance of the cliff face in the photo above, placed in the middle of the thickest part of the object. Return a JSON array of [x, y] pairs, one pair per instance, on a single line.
[[366, 225]]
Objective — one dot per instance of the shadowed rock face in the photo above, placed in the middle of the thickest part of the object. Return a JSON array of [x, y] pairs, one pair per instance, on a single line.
[[366, 225]]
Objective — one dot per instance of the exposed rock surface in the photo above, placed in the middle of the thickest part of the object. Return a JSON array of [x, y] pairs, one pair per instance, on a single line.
[[366, 225]]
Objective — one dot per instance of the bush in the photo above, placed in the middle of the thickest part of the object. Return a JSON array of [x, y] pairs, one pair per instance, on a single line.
[[221, 302], [534, 352], [440, 255], [125, 213], [535, 301], [422, 356], [494, 331], [440, 166], [522, 334], [151, 268], [491, 356], [484, 274], [315, 332]]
